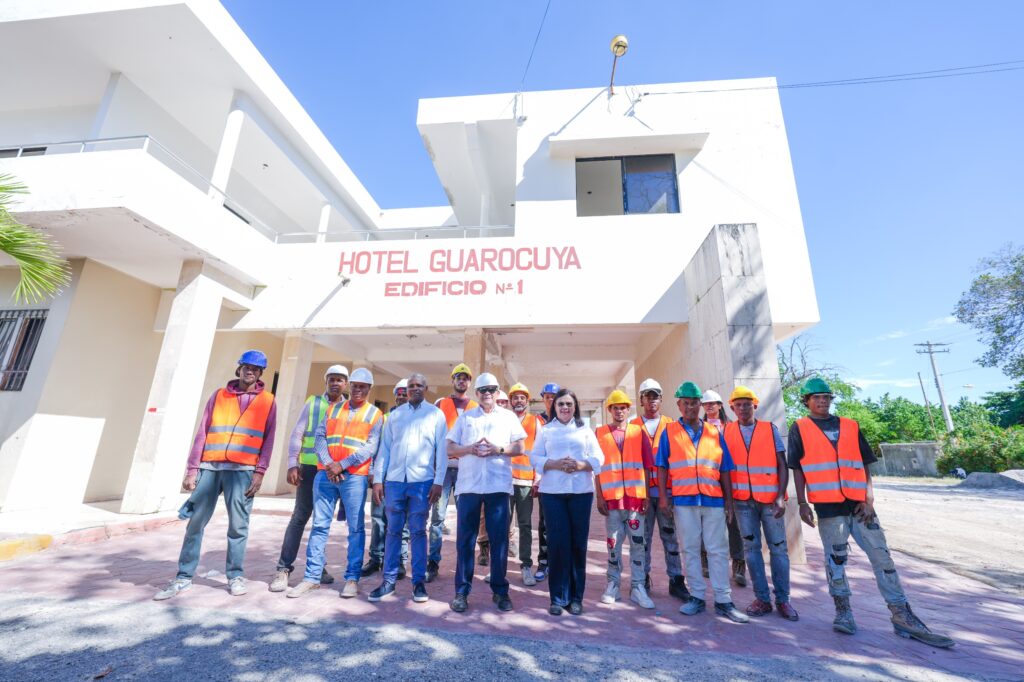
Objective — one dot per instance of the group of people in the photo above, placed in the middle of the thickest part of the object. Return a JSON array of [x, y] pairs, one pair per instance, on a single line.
[[708, 482]]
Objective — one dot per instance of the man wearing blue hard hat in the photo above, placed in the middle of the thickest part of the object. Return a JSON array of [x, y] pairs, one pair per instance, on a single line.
[[230, 454]]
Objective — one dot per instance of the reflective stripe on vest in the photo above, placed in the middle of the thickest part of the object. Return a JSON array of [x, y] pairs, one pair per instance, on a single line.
[[622, 472], [347, 431], [756, 473], [451, 413], [692, 470], [317, 406], [522, 470], [233, 435], [832, 474], [652, 475]]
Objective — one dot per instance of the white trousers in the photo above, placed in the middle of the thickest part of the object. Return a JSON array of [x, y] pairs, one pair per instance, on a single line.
[[693, 524]]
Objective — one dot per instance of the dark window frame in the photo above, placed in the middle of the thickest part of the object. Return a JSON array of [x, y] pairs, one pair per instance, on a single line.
[[20, 331], [623, 175]]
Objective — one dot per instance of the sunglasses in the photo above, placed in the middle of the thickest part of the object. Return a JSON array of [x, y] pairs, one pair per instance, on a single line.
[[488, 389]]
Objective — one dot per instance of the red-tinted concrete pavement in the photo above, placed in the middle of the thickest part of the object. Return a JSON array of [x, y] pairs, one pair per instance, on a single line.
[[987, 624]]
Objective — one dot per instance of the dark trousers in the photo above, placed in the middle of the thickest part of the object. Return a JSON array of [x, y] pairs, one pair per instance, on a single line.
[[542, 537], [568, 519], [495, 509], [300, 517], [379, 531], [521, 503]]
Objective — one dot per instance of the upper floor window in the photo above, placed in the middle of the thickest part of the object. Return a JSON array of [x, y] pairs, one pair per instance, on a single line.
[[19, 334], [626, 185]]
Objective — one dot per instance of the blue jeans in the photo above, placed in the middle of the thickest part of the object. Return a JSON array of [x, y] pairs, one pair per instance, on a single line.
[[406, 503], [752, 516], [496, 517], [568, 519], [352, 492], [379, 533], [209, 485], [437, 514]]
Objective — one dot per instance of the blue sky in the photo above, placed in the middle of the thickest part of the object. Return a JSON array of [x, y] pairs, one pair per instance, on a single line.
[[903, 186]]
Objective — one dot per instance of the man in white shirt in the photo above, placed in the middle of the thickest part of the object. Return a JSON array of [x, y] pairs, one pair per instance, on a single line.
[[407, 478], [484, 439]]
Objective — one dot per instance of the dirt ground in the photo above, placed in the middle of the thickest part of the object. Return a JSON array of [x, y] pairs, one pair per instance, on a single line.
[[975, 533]]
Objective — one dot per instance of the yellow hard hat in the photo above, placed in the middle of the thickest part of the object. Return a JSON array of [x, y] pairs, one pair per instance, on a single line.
[[742, 392], [618, 397], [519, 388], [461, 368]]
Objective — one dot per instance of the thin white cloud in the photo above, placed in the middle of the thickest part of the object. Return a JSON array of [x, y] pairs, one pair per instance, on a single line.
[[889, 336], [865, 384], [886, 363], [942, 321]]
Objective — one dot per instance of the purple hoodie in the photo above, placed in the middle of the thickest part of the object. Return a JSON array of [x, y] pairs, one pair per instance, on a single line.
[[196, 456]]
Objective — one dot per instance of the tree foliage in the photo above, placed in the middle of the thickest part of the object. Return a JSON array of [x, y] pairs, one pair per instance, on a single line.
[[1006, 406], [994, 306], [43, 271]]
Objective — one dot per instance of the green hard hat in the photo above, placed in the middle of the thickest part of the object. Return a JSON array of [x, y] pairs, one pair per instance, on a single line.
[[814, 385], [688, 389]]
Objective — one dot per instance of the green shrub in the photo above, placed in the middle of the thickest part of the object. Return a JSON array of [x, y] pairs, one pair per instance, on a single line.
[[988, 448]]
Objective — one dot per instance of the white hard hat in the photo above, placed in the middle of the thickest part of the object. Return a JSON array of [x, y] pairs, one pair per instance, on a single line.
[[486, 379], [362, 376], [711, 397], [649, 385], [501, 396], [336, 369], [404, 383]]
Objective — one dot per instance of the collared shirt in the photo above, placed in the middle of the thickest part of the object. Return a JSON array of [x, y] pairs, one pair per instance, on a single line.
[[483, 475], [413, 448], [700, 499], [558, 441], [367, 451]]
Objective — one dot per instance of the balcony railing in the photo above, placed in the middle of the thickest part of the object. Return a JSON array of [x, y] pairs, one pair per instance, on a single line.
[[174, 162]]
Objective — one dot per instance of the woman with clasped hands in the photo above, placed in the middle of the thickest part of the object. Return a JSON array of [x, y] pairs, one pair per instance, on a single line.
[[567, 452]]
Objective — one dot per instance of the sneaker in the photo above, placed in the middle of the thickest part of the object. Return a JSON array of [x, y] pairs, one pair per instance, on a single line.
[[419, 593], [638, 595], [370, 567], [302, 588], [693, 607], [326, 578], [236, 586], [677, 588], [173, 588], [611, 593], [542, 572], [503, 602], [555, 610], [350, 590], [385, 590], [459, 604], [487, 578], [528, 578], [648, 583], [401, 571], [431, 571], [739, 572], [787, 611], [759, 608], [729, 610], [280, 581]]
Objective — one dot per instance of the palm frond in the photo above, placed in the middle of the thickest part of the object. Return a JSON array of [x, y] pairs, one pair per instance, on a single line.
[[44, 273]]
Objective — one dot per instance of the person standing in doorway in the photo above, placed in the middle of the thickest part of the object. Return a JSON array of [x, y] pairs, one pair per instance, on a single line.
[[302, 470], [523, 479], [230, 453]]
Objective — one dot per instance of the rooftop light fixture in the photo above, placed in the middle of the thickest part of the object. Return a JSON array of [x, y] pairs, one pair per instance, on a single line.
[[618, 47]]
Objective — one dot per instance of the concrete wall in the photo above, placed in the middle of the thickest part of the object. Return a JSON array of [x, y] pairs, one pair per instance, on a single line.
[[60, 124], [907, 459]]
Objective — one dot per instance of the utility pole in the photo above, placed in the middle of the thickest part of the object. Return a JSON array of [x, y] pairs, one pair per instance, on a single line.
[[930, 350], [927, 404]]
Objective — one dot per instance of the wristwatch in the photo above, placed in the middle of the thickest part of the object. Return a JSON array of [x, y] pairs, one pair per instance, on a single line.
[[501, 451]]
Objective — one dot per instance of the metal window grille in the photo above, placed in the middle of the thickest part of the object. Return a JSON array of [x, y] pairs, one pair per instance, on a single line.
[[19, 335]]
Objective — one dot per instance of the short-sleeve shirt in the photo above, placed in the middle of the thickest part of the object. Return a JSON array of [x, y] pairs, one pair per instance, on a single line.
[[483, 475], [700, 499], [830, 427]]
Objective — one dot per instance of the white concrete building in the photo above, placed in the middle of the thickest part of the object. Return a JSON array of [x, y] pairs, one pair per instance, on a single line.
[[591, 239]]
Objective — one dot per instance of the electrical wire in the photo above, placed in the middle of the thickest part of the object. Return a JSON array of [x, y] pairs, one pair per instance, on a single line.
[[533, 49]]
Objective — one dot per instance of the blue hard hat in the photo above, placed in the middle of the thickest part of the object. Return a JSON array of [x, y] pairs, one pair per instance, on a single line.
[[551, 388], [256, 358]]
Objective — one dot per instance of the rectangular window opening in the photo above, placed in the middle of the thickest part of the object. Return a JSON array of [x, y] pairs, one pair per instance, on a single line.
[[626, 185], [19, 335]]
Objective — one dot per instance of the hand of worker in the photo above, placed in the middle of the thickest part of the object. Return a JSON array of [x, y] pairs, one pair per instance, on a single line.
[[663, 503], [334, 472], [730, 511], [484, 448], [569, 465], [779, 508], [294, 476], [807, 514], [189, 482], [435, 494], [864, 511], [254, 487], [602, 507], [535, 490], [378, 493]]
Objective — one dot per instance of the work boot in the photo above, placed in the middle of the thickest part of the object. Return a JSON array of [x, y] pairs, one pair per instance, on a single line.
[[370, 567], [325, 577], [647, 583], [431, 571], [677, 588], [843, 621], [729, 610], [759, 607], [908, 625], [739, 572], [280, 582], [484, 556]]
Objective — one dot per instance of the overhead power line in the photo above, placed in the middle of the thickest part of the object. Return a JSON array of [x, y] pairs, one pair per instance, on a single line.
[[533, 49]]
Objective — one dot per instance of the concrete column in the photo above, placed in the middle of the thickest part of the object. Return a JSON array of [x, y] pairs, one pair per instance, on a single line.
[[226, 154], [731, 338], [325, 220], [175, 396], [100, 117], [292, 382], [474, 351]]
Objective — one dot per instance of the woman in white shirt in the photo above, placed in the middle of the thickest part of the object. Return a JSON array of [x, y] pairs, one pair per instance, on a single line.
[[568, 453]]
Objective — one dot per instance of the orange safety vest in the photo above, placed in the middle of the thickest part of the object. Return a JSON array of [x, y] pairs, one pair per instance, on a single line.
[[347, 431], [622, 473], [694, 471], [832, 475], [451, 413], [756, 473], [652, 475], [236, 436], [522, 470]]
